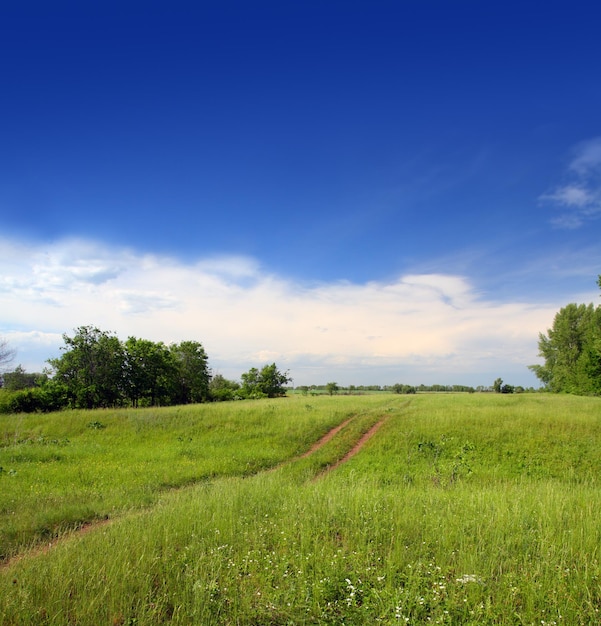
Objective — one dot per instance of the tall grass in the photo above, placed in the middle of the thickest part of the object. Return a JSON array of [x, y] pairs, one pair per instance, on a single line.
[[462, 510], [62, 470]]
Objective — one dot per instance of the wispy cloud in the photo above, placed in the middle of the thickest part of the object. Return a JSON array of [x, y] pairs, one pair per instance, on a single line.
[[415, 328], [579, 198]]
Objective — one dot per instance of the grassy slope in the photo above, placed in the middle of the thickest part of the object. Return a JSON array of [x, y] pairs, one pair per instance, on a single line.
[[62, 470], [462, 510]]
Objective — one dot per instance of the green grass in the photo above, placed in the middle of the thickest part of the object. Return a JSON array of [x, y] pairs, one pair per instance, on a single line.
[[463, 509], [60, 471]]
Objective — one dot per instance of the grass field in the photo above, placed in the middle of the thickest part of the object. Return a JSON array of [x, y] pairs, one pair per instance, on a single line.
[[461, 509]]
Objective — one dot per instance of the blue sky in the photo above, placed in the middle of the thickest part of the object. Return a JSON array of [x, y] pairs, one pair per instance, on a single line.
[[367, 192]]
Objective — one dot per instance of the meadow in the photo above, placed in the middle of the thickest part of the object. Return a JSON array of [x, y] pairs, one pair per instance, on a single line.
[[461, 509]]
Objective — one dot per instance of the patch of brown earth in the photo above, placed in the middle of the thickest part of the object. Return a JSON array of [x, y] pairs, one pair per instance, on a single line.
[[327, 437], [356, 448], [44, 548]]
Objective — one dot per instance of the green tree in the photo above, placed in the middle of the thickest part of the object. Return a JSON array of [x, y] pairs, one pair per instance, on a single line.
[[91, 368], [251, 384], [399, 388], [150, 372], [498, 385], [571, 350], [269, 382], [221, 389], [332, 388], [273, 381], [192, 372], [20, 379]]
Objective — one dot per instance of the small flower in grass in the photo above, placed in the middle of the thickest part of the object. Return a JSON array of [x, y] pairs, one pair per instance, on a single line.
[[398, 614], [351, 592], [469, 578]]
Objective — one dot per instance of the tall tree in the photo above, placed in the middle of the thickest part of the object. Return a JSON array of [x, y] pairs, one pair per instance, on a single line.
[[273, 381], [269, 382], [192, 372], [91, 368], [251, 384], [572, 351], [149, 372]]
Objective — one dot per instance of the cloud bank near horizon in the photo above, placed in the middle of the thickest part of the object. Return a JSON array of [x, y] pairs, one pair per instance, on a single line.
[[417, 328]]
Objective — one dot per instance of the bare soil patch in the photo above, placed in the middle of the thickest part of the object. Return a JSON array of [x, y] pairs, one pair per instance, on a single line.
[[327, 437], [355, 449], [44, 548]]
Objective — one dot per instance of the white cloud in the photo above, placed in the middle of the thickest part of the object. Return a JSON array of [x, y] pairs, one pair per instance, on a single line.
[[138, 302], [417, 328], [587, 158], [580, 197], [571, 195], [33, 347]]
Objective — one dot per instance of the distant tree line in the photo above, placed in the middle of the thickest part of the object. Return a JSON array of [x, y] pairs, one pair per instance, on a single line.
[[334, 388], [19, 379], [98, 370], [571, 349], [500, 387]]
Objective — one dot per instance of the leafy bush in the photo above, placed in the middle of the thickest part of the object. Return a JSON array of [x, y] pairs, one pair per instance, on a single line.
[[51, 397]]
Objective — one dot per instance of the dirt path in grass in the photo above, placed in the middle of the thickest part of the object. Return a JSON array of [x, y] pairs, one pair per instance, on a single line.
[[90, 526], [356, 448], [327, 437], [43, 548]]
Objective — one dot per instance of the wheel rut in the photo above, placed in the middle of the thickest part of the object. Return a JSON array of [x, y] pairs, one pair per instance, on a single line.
[[355, 449], [93, 525], [326, 438]]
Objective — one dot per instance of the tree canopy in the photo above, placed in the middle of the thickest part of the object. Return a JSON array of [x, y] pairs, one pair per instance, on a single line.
[[19, 379], [269, 382], [98, 370], [91, 368], [332, 388], [571, 349]]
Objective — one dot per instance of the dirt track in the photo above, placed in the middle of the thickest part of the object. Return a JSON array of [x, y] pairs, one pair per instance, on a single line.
[[90, 526], [356, 448], [327, 437]]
